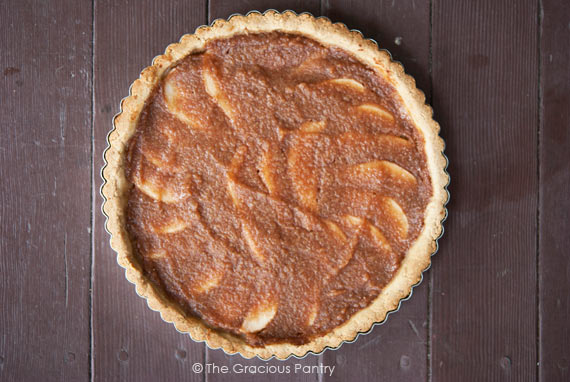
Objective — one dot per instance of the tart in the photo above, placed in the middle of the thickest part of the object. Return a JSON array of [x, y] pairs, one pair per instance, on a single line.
[[274, 185]]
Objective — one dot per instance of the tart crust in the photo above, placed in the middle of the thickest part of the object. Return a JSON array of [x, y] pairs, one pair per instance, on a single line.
[[116, 186]]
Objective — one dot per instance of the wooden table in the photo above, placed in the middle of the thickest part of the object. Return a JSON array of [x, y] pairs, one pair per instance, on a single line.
[[495, 304]]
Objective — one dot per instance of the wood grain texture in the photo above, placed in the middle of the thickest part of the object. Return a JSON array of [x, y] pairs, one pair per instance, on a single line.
[[45, 159], [131, 342], [397, 349], [554, 215], [485, 93], [224, 8]]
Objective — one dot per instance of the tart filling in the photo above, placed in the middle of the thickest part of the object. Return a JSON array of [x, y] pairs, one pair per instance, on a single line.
[[273, 188]]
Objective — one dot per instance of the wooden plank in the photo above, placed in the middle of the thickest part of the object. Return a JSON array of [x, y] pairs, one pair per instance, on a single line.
[[554, 204], [45, 156], [223, 9], [131, 342], [395, 350], [252, 370], [485, 91]]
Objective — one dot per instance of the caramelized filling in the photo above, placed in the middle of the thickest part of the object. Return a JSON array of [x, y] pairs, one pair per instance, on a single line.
[[277, 185]]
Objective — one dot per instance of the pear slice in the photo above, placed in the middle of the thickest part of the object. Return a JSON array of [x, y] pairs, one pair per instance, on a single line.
[[385, 139], [374, 141], [335, 230], [155, 159], [348, 82], [174, 98], [214, 90], [212, 281], [311, 62], [232, 191], [314, 310], [313, 126], [282, 133], [354, 221], [336, 292], [267, 174], [248, 236], [174, 226], [246, 231], [157, 255], [398, 214], [259, 317], [385, 168], [237, 161], [379, 238], [375, 110], [304, 181], [158, 193]]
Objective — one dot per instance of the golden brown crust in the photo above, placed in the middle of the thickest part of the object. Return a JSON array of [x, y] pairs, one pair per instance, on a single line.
[[322, 30]]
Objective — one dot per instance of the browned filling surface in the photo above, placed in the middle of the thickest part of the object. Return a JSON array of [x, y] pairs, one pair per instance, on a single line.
[[277, 185]]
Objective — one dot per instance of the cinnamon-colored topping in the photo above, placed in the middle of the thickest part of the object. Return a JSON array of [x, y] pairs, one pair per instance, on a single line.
[[277, 185]]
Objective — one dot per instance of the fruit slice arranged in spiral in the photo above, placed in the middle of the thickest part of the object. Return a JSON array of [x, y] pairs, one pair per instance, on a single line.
[[176, 99], [347, 82], [174, 226], [398, 216], [313, 312], [379, 238], [374, 142], [157, 191], [267, 172], [259, 317], [375, 110], [248, 230], [313, 127], [209, 282], [383, 168], [376, 234], [157, 255], [301, 170], [335, 230], [214, 88]]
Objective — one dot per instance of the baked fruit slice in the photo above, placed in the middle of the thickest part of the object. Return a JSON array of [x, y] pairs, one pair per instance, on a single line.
[[275, 184]]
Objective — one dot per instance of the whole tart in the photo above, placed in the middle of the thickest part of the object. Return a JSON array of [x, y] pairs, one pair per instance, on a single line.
[[275, 184]]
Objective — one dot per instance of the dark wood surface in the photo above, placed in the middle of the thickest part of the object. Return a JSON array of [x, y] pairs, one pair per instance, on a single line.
[[45, 190], [495, 304], [485, 94], [554, 193]]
